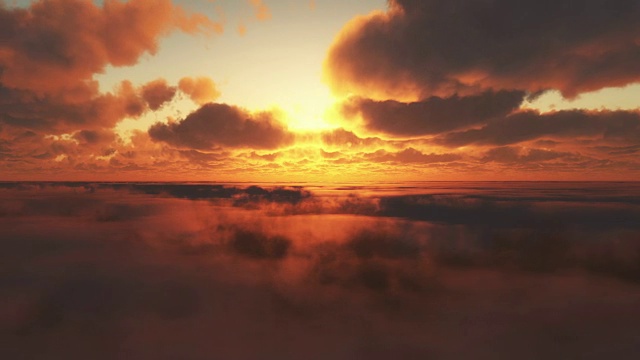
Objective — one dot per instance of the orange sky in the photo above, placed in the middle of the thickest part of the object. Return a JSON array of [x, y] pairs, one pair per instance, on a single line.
[[318, 91]]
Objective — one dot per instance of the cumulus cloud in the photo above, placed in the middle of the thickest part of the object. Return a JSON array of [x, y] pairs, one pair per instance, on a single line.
[[433, 115], [64, 42], [221, 125], [63, 112], [456, 74], [419, 49], [157, 92], [201, 90], [50, 51], [83, 108]]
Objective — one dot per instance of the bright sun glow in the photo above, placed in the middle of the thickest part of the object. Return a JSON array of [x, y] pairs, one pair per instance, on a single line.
[[314, 114], [311, 114]]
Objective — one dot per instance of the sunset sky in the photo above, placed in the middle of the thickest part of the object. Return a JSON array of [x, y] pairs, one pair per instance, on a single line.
[[319, 179], [317, 91]]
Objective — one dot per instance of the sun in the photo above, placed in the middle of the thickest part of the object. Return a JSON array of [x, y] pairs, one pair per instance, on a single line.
[[312, 113]]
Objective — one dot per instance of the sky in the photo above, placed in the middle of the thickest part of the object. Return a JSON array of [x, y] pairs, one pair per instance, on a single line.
[[319, 91]]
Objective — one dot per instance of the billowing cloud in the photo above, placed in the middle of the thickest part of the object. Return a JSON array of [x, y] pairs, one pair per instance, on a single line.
[[423, 48], [201, 89], [433, 115], [58, 44], [83, 108], [157, 92], [455, 74], [221, 125], [50, 51]]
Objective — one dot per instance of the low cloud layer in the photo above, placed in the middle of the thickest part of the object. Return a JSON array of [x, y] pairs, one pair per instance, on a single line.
[[152, 270]]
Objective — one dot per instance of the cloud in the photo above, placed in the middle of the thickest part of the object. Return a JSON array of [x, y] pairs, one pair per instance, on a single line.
[[200, 277], [455, 74], [612, 126], [90, 137], [259, 246], [417, 49], [433, 115], [63, 112], [242, 197], [411, 155], [261, 9], [342, 138], [201, 90], [216, 125], [514, 155], [370, 244], [63, 43], [50, 51], [84, 108], [157, 92]]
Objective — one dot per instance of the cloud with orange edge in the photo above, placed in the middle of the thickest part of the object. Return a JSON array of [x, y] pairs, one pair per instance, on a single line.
[[422, 48], [201, 89], [64, 42]]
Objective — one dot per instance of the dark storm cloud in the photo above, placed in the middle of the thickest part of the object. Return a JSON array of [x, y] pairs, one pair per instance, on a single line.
[[613, 126], [433, 115], [221, 125], [443, 47]]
